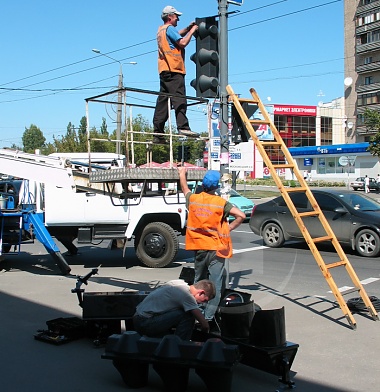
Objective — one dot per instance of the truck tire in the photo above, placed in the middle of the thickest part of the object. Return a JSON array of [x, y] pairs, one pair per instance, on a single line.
[[157, 245]]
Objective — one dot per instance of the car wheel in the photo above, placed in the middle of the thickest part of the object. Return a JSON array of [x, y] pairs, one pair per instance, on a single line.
[[367, 243], [157, 246], [273, 235], [355, 188]]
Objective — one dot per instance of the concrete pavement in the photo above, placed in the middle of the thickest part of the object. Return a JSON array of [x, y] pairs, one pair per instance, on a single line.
[[331, 356]]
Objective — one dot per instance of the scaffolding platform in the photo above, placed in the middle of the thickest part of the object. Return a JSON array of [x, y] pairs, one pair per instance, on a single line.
[[142, 174]]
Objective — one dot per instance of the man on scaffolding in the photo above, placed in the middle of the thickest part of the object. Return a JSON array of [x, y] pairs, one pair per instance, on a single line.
[[171, 67]]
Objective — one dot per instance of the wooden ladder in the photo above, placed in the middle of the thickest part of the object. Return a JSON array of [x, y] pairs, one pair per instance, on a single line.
[[276, 156]]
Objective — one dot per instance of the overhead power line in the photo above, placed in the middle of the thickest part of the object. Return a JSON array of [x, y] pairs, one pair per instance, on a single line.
[[145, 53]]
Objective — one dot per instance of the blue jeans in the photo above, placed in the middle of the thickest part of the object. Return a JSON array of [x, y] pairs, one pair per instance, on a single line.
[[208, 265], [161, 324]]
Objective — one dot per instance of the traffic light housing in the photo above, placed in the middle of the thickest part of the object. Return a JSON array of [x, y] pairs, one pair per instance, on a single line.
[[186, 153], [206, 58], [239, 132]]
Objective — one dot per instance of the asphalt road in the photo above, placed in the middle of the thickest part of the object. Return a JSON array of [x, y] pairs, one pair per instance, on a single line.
[[331, 357]]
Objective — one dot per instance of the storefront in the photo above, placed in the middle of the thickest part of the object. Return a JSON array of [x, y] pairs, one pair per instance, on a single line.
[[336, 162]]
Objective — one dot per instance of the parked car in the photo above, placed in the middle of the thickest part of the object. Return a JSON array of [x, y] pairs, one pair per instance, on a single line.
[[354, 218], [359, 184]]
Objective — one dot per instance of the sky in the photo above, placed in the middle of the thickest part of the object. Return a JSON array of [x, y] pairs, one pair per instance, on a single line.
[[290, 51]]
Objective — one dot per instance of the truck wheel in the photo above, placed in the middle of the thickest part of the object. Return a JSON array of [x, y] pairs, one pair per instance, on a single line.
[[157, 246]]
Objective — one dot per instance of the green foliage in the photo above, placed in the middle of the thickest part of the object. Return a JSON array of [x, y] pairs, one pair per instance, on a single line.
[[33, 139], [372, 123], [75, 140], [292, 183]]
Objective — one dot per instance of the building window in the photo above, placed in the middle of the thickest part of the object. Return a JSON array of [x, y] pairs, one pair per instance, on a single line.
[[374, 36], [360, 121], [368, 60], [331, 165], [326, 130], [369, 18], [368, 80], [369, 99], [281, 124]]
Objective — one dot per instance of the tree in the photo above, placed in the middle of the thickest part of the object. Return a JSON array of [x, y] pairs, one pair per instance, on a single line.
[[82, 134], [372, 123], [33, 139]]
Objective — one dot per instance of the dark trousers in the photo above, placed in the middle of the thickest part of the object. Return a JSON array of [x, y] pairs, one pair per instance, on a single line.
[[171, 83], [208, 265], [160, 325]]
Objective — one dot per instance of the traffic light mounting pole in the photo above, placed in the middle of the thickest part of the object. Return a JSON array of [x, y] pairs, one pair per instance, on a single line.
[[223, 82]]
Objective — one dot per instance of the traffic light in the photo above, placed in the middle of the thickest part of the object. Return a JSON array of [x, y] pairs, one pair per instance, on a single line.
[[179, 153], [206, 58], [239, 132], [186, 153]]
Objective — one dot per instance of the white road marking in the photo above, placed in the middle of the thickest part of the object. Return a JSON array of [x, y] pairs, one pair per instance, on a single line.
[[363, 282], [236, 251]]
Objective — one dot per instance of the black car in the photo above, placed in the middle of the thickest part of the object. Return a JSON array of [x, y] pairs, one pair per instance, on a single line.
[[354, 218]]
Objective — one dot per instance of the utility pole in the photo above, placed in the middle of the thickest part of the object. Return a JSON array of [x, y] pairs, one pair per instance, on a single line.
[[119, 113], [223, 82], [119, 110]]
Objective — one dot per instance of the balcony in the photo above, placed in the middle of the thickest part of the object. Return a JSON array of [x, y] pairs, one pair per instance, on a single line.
[[368, 88], [362, 10], [361, 49], [367, 27], [370, 67], [371, 106]]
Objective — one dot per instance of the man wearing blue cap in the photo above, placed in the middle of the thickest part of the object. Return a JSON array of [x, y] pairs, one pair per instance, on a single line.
[[208, 232]]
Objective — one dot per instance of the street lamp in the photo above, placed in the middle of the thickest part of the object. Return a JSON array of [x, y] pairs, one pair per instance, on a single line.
[[119, 97]]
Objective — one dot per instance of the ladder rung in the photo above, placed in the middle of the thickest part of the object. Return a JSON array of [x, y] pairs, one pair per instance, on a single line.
[[283, 166], [249, 100], [337, 264], [321, 239], [297, 189], [349, 291], [309, 213], [259, 122], [271, 144]]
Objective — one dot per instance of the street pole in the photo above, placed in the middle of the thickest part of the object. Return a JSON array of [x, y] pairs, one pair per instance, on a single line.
[[120, 86], [223, 82], [183, 153], [119, 110]]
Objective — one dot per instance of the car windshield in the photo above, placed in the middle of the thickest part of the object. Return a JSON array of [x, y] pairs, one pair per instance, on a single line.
[[360, 202]]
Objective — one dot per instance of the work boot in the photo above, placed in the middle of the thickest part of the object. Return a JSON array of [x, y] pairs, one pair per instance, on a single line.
[[159, 140], [188, 133]]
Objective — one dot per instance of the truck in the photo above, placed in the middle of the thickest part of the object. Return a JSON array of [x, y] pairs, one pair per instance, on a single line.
[[68, 197]]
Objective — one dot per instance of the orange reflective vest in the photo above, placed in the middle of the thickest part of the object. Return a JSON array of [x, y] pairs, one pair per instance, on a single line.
[[207, 229], [169, 59]]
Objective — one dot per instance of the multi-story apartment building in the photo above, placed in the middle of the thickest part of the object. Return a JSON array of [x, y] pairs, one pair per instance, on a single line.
[[362, 65]]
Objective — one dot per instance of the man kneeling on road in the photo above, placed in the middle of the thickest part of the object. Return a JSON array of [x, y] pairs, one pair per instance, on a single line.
[[173, 305]]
